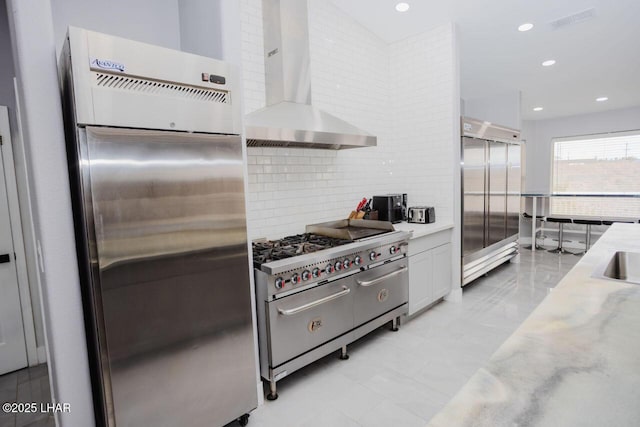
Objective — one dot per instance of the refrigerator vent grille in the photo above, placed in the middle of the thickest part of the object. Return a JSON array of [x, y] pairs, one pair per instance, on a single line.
[[161, 88], [261, 143]]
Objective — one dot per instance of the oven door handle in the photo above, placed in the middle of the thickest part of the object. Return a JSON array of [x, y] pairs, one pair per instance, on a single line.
[[307, 306], [372, 282]]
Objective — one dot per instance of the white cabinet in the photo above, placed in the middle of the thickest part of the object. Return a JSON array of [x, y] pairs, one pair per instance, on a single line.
[[429, 269], [441, 284], [420, 268]]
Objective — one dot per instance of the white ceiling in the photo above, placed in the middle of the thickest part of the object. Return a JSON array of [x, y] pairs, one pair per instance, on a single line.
[[598, 57]]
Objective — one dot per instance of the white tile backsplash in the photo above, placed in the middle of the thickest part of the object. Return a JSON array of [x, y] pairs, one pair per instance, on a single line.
[[400, 92]]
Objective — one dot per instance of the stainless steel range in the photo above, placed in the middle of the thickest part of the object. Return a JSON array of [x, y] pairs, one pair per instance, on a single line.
[[319, 291]]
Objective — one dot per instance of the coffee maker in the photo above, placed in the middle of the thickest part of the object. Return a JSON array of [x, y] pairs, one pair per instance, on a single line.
[[389, 207]]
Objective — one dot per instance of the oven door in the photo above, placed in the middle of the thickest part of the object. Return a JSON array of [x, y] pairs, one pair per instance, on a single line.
[[303, 321], [380, 290]]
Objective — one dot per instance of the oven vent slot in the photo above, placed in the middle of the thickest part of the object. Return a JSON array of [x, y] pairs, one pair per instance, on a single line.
[[135, 84]]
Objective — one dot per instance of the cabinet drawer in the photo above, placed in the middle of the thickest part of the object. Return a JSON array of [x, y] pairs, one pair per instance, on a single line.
[[431, 241]]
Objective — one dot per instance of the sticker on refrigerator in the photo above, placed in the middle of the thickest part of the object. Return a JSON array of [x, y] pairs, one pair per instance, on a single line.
[[107, 64]]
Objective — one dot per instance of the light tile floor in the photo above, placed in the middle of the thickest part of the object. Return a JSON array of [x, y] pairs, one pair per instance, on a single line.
[[26, 386], [404, 378]]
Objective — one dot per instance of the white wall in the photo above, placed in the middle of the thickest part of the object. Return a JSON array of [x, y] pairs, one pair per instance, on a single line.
[[351, 78], [198, 33], [150, 21], [34, 55], [422, 108], [6, 61], [7, 97], [211, 28], [501, 108]]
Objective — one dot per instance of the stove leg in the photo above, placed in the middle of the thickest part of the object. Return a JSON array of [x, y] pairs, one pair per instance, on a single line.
[[273, 395], [343, 353], [395, 324]]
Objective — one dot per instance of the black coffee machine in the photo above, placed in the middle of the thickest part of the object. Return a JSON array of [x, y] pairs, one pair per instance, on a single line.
[[389, 207]]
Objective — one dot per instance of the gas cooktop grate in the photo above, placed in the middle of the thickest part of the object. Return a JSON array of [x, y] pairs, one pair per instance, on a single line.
[[290, 246]]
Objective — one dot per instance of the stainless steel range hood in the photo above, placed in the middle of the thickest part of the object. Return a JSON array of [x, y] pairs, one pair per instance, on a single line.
[[289, 120]]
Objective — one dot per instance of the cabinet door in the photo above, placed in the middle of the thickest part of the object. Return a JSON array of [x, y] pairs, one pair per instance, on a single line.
[[420, 278], [441, 284]]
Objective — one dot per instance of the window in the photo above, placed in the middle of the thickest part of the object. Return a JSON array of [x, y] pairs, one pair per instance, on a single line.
[[605, 166]]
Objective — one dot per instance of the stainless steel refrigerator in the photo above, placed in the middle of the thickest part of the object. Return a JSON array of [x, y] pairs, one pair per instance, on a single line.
[[491, 179], [156, 166]]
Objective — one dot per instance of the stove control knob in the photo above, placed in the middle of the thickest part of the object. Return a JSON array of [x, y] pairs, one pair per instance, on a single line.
[[393, 250], [373, 255], [357, 260], [279, 283], [338, 265], [347, 263], [329, 269], [306, 275], [295, 279], [316, 272]]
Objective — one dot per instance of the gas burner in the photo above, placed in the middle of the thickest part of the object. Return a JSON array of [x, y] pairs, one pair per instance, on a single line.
[[291, 246]]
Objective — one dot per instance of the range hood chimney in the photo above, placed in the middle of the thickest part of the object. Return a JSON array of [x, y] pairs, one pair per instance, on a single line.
[[289, 119]]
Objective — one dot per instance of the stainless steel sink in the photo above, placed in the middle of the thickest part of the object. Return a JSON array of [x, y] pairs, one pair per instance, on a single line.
[[624, 266]]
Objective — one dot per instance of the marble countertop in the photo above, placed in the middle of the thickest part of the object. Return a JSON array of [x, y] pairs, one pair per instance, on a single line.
[[574, 362], [421, 230]]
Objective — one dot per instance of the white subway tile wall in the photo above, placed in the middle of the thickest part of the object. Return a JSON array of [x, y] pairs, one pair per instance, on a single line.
[[422, 69], [400, 92]]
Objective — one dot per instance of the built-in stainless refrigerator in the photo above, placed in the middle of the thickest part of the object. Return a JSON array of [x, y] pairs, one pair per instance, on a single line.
[[156, 167], [491, 179]]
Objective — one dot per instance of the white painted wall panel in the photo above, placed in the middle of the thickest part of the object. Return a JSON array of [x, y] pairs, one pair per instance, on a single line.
[[150, 21], [198, 33], [501, 108]]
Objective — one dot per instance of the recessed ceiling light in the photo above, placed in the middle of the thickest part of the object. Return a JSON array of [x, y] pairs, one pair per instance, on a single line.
[[402, 7], [538, 109], [525, 27], [602, 99], [548, 62]]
